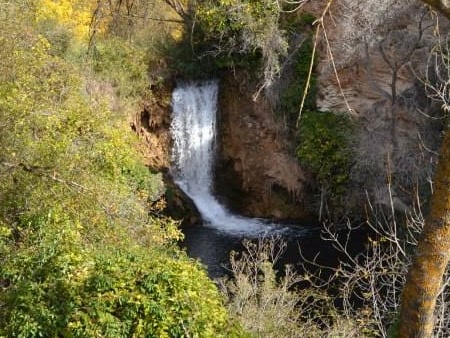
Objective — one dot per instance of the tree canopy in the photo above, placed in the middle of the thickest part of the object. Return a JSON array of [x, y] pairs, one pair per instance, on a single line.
[[80, 253]]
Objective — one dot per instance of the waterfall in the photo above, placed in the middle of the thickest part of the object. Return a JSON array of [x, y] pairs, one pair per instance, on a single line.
[[193, 131]]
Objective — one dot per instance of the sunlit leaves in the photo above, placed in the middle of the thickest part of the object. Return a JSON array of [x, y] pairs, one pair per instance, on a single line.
[[80, 253], [75, 15]]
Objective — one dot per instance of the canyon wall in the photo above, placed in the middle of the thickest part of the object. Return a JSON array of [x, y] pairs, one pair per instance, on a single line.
[[382, 52], [257, 174], [374, 64]]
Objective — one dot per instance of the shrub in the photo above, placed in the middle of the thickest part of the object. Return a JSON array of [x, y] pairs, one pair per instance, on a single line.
[[80, 255], [58, 285], [122, 64], [324, 147], [270, 303]]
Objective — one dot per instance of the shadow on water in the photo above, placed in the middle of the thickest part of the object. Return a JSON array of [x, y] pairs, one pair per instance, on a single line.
[[212, 247]]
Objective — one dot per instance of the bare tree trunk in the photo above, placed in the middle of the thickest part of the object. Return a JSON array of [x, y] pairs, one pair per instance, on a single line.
[[433, 252]]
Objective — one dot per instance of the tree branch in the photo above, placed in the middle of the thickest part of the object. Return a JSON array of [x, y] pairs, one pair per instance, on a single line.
[[443, 6], [43, 172]]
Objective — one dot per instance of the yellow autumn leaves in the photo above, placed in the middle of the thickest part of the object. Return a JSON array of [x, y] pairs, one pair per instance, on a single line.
[[75, 15]]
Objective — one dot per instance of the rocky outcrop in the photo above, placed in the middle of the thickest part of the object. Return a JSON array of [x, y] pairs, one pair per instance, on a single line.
[[257, 174], [381, 52], [152, 124]]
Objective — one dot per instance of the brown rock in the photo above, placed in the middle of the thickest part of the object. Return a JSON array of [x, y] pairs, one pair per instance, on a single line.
[[257, 173]]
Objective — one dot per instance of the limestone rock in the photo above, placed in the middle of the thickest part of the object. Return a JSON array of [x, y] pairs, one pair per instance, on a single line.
[[257, 171], [381, 54]]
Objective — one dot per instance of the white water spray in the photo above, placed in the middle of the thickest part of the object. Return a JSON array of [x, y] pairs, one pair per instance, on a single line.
[[193, 130]]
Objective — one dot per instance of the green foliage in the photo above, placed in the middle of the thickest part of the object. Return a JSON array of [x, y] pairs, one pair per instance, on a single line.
[[39, 274], [79, 254], [202, 65], [394, 329], [183, 61], [58, 286], [324, 147], [227, 22], [124, 64], [307, 19], [58, 36], [233, 34], [160, 297]]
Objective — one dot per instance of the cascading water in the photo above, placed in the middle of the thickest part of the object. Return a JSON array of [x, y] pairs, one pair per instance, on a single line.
[[193, 130]]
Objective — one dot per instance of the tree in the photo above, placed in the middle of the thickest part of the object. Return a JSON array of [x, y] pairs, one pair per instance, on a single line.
[[424, 281]]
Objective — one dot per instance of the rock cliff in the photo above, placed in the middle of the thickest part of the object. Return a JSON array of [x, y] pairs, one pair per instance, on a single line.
[[381, 51], [257, 174], [381, 56]]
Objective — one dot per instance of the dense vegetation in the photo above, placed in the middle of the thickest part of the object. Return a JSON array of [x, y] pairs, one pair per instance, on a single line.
[[324, 147], [80, 254]]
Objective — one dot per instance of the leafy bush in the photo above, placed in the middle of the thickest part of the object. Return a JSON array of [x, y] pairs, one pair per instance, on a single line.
[[80, 255], [124, 64], [324, 147], [57, 286], [233, 34], [58, 36]]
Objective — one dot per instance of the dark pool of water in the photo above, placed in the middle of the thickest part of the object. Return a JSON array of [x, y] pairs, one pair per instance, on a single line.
[[212, 247]]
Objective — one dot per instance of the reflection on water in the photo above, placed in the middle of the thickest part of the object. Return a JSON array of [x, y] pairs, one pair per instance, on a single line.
[[212, 247]]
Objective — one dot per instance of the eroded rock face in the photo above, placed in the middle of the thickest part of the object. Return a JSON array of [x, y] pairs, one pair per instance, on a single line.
[[257, 174], [381, 52], [152, 124]]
